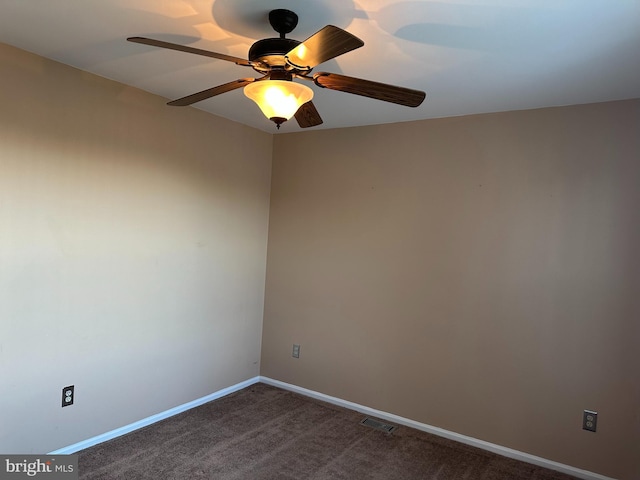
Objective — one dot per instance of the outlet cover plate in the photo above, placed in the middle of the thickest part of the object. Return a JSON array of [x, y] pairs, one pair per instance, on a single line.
[[589, 420], [68, 395]]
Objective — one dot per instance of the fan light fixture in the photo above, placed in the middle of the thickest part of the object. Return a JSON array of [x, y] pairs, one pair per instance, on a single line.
[[279, 100], [280, 60]]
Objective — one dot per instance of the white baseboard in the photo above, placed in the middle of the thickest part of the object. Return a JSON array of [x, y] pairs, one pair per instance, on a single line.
[[474, 442], [152, 419], [491, 447]]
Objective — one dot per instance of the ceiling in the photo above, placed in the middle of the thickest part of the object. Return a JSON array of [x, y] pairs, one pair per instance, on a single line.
[[469, 56]]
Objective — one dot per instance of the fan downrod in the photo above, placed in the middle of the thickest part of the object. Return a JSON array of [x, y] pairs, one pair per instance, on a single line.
[[283, 21]]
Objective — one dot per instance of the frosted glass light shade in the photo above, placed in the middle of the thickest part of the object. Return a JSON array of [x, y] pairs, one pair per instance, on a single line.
[[279, 100]]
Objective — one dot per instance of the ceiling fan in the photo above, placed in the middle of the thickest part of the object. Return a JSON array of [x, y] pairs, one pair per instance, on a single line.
[[281, 60]]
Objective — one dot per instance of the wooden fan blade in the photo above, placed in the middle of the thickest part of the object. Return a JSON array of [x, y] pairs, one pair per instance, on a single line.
[[307, 115], [210, 92], [325, 44], [367, 88], [196, 51]]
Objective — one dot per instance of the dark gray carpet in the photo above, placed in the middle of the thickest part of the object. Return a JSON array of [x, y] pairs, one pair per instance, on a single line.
[[263, 432]]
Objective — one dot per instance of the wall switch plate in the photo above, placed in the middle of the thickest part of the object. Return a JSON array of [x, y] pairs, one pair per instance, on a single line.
[[589, 420], [68, 395], [296, 351]]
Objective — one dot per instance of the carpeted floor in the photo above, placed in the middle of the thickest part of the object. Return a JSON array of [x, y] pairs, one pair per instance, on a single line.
[[263, 432]]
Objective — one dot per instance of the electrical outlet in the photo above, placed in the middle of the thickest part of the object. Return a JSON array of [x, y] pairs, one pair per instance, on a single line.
[[296, 351], [589, 420], [68, 395]]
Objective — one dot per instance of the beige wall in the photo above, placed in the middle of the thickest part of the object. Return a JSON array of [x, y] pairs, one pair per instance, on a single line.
[[478, 274], [132, 253]]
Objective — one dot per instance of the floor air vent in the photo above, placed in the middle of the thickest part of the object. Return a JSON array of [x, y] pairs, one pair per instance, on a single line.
[[370, 422]]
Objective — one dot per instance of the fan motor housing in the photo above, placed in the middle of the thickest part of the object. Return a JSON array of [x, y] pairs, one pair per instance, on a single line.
[[271, 52]]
